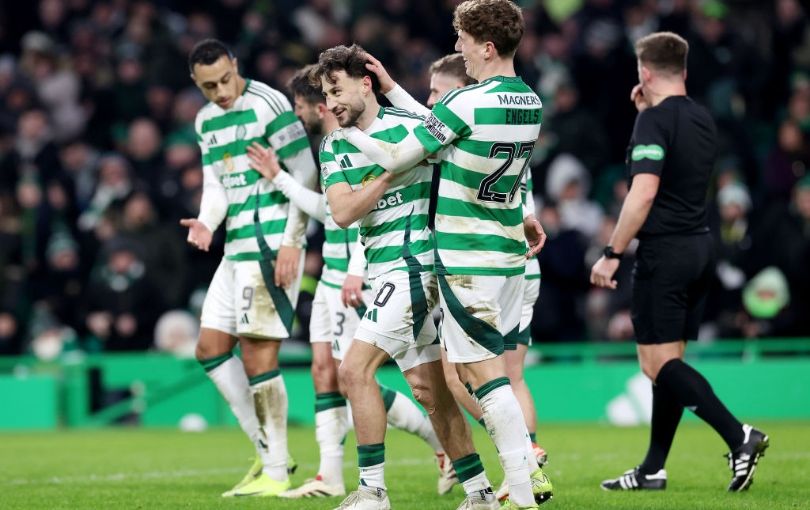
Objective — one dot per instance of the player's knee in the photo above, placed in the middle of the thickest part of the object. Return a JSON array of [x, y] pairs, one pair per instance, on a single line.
[[424, 395], [204, 351], [351, 375], [650, 370]]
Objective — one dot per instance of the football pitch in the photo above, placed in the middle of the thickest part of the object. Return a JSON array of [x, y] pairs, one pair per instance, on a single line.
[[162, 469]]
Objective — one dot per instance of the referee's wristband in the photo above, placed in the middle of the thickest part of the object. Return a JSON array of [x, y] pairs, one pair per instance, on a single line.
[[610, 254]]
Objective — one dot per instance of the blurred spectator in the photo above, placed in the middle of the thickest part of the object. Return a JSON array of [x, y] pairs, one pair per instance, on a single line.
[[121, 302], [568, 183], [176, 332], [97, 140]]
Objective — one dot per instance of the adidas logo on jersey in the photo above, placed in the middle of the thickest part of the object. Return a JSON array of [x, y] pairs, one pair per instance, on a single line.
[[213, 140], [345, 162], [372, 315], [244, 320]]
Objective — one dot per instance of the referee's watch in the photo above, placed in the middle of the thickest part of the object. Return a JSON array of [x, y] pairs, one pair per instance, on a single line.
[[610, 254]]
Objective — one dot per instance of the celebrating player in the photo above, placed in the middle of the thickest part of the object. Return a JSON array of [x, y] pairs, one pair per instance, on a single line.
[[486, 134], [334, 320], [252, 296]]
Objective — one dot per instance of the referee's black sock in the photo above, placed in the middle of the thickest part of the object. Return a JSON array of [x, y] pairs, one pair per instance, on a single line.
[[695, 393], [666, 414]]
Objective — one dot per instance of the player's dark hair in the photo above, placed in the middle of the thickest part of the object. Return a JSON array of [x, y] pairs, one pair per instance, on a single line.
[[663, 51], [351, 59], [303, 86], [452, 65], [206, 52], [497, 21]]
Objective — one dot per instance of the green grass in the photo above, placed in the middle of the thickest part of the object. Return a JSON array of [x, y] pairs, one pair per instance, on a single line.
[[163, 469]]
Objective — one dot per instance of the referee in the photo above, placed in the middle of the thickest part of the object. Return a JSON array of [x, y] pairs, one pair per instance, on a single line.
[[670, 159]]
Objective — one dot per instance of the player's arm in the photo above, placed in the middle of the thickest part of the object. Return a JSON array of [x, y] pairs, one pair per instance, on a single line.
[[646, 164], [213, 206], [352, 291], [398, 96], [265, 161], [535, 235], [347, 205], [287, 137], [438, 130]]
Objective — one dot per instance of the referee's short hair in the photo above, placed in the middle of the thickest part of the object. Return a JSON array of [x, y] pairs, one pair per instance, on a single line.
[[663, 51], [452, 65]]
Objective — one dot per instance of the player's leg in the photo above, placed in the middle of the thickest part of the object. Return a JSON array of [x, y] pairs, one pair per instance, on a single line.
[[215, 353], [476, 340], [357, 375], [265, 316], [460, 393]]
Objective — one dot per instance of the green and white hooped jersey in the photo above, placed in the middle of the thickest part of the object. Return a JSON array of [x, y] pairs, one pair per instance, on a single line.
[[486, 134], [337, 248], [395, 233], [264, 115]]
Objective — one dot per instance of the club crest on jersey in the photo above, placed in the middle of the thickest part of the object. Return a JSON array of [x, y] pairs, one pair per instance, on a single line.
[[367, 180], [227, 160], [241, 132]]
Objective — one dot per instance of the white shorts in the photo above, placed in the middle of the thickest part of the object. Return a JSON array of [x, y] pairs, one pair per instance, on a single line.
[[478, 312], [398, 318], [238, 302], [331, 321], [531, 291]]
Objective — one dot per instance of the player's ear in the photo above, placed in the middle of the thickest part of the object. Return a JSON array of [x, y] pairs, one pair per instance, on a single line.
[[321, 109], [366, 84], [490, 52]]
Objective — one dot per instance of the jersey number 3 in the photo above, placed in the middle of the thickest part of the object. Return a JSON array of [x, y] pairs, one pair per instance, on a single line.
[[512, 151]]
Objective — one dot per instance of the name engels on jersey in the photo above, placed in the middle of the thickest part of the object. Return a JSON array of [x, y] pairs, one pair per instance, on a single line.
[[519, 99], [436, 128]]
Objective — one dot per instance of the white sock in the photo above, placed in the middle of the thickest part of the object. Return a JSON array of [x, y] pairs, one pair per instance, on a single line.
[[270, 399], [405, 415], [507, 428], [533, 465], [230, 379], [330, 429], [371, 460]]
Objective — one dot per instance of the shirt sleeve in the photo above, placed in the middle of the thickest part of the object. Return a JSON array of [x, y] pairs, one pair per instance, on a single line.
[[650, 143], [331, 173], [287, 137], [214, 201], [443, 126], [309, 201], [400, 98]]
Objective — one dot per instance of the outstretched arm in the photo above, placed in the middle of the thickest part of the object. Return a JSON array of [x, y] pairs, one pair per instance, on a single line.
[[394, 157], [265, 161]]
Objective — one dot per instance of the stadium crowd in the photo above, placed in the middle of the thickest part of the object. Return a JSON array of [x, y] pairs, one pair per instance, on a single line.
[[99, 161]]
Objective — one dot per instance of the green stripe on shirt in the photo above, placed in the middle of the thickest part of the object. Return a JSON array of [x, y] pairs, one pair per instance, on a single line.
[[455, 207], [248, 231], [478, 242], [391, 253], [236, 118], [265, 199]]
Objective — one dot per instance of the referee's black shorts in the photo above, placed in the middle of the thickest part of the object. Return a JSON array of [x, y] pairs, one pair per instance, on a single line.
[[671, 280]]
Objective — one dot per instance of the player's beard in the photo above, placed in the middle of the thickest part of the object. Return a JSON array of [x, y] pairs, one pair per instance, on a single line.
[[351, 113]]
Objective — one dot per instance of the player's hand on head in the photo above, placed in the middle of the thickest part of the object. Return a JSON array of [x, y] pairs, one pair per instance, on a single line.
[[375, 66], [199, 235], [287, 262], [603, 271], [351, 294], [535, 235], [264, 160]]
